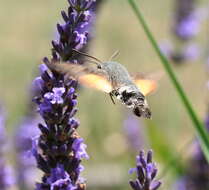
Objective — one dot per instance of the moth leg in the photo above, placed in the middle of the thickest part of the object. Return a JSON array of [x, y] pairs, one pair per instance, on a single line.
[[111, 97]]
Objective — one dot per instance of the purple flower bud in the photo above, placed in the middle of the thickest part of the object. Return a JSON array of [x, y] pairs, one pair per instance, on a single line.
[[38, 84], [43, 68], [80, 149]]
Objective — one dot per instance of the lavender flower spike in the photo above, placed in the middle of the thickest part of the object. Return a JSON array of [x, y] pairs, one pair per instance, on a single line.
[[7, 179], [146, 171], [59, 149], [133, 132], [186, 24], [25, 162]]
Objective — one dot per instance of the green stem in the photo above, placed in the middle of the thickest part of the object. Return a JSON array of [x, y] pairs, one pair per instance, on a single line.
[[200, 129]]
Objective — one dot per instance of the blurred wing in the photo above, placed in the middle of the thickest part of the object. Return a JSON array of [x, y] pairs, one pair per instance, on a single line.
[[95, 81], [71, 70], [86, 75], [146, 86]]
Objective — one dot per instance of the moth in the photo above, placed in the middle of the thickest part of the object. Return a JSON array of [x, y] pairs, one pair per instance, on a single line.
[[113, 78]]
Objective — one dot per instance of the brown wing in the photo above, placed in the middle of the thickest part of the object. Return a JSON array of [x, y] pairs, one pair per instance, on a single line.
[[147, 84], [86, 75]]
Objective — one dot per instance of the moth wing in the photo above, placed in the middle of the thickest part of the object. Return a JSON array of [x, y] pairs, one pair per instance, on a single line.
[[147, 84], [96, 81], [86, 75], [69, 69]]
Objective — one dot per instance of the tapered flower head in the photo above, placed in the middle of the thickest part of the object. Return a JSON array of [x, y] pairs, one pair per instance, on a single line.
[[133, 132], [59, 150], [146, 171], [186, 21]]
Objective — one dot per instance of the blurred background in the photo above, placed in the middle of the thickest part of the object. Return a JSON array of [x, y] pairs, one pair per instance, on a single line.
[[113, 135]]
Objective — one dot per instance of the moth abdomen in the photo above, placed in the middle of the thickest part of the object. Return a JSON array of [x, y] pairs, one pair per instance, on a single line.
[[142, 111]]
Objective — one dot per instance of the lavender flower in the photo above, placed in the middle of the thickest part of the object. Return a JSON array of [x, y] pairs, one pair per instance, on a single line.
[[73, 34], [59, 149], [25, 162], [197, 176], [6, 172], [185, 27], [186, 24], [133, 132], [182, 53], [146, 171]]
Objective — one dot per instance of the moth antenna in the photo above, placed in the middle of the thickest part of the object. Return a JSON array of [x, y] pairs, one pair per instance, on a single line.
[[87, 55], [115, 54]]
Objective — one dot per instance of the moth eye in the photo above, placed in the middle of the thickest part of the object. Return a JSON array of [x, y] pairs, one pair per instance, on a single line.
[[99, 66]]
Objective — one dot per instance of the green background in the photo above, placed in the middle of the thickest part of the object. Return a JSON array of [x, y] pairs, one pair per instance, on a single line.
[[27, 28]]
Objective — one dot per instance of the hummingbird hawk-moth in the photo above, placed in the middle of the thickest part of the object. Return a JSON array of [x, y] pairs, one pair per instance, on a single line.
[[113, 78]]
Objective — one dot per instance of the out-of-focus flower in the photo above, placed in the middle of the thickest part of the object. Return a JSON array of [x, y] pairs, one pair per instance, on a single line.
[[186, 20], [181, 54], [133, 132], [196, 176], [25, 162], [146, 171], [6, 173], [185, 27]]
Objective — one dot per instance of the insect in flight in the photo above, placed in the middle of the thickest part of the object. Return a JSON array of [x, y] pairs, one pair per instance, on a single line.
[[113, 78]]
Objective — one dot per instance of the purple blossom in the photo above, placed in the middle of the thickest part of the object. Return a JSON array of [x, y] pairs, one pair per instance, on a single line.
[[6, 173], [146, 171], [2, 130], [80, 149], [133, 132], [186, 21], [197, 176], [55, 97], [184, 53], [188, 27], [6, 176], [25, 162], [59, 179], [59, 149], [73, 34], [185, 27]]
